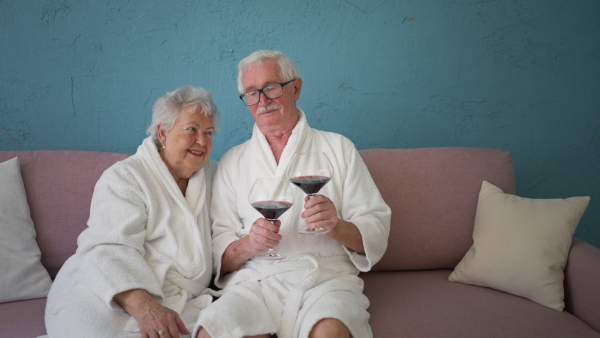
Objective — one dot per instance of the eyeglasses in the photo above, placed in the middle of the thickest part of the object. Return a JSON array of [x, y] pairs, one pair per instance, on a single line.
[[271, 92]]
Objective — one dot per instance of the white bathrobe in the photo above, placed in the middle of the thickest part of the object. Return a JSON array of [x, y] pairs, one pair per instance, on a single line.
[[319, 278], [143, 234]]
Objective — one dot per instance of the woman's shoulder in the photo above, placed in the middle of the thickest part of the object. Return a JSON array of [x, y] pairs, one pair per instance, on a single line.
[[133, 162], [122, 171]]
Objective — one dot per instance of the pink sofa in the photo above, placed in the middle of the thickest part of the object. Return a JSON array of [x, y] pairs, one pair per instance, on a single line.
[[433, 194]]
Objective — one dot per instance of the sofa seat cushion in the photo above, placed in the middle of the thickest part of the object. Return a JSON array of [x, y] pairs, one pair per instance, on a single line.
[[23, 318], [425, 304]]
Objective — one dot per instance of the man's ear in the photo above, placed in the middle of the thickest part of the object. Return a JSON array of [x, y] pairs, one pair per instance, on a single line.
[[297, 88]]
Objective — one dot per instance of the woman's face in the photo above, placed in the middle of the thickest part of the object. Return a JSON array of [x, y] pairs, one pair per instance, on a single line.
[[188, 144]]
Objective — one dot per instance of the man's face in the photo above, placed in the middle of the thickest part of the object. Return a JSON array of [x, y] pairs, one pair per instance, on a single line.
[[272, 115]]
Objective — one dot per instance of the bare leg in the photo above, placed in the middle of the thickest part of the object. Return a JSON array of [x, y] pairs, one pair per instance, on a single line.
[[329, 327], [203, 334]]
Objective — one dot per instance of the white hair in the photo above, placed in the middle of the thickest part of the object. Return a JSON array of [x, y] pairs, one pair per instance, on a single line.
[[288, 67], [166, 109]]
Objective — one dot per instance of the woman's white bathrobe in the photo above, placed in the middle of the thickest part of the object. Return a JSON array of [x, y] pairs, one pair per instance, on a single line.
[[319, 278], [143, 233]]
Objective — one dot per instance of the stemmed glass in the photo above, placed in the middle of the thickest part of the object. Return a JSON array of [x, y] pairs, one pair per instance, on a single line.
[[310, 171], [271, 197]]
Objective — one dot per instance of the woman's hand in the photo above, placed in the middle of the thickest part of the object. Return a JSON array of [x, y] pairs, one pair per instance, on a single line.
[[154, 319]]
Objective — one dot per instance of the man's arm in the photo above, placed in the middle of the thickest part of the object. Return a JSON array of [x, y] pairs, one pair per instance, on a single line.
[[321, 213], [236, 254], [348, 235], [262, 236]]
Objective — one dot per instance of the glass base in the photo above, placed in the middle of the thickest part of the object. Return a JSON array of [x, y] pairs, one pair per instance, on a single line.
[[316, 231], [270, 255]]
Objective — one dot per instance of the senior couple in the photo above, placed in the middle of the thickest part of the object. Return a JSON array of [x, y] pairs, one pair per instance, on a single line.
[[166, 220]]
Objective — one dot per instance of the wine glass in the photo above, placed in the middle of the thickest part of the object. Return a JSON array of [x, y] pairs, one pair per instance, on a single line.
[[271, 197], [310, 171]]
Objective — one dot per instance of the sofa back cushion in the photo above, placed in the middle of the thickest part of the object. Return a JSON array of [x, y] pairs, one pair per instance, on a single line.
[[432, 192], [59, 186], [433, 195]]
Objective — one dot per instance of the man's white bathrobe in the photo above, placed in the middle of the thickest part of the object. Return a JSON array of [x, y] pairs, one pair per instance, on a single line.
[[319, 277], [142, 234]]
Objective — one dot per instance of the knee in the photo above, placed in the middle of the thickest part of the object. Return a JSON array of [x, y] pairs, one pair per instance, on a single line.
[[329, 327], [202, 333]]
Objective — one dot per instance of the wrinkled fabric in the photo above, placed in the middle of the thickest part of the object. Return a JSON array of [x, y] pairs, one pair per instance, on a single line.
[[293, 309], [143, 233]]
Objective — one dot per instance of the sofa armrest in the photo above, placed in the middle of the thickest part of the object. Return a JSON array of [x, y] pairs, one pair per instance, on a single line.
[[582, 283]]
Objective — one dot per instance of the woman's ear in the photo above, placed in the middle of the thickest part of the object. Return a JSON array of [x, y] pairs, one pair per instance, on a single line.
[[162, 135]]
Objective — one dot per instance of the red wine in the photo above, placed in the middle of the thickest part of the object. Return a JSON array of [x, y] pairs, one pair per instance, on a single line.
[[310, 184], [271, 210]]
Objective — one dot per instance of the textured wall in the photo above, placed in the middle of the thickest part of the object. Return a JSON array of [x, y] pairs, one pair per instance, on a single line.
[[523, 76]]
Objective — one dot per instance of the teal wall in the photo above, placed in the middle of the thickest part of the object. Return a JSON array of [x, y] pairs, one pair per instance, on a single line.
[[523, 76]]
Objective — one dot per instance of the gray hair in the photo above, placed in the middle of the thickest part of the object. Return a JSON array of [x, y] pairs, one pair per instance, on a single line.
[[288, 67], [166, 109]]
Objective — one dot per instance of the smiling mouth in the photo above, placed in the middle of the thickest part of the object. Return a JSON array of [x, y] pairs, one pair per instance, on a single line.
[[196, 152]]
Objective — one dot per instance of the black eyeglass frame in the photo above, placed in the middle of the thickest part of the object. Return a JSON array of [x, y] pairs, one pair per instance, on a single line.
[[261, 90]]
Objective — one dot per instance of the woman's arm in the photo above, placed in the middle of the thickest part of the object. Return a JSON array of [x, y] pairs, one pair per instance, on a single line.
[[111, 250]]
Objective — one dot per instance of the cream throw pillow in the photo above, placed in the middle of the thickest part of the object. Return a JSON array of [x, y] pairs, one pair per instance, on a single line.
[[521, 245], [22, 275]]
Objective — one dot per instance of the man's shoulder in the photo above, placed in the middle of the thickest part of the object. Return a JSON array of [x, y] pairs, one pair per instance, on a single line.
[[234, 153], [332, 138]]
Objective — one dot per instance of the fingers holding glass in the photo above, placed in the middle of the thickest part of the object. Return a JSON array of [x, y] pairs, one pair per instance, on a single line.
[[310, 171], [320, 213], [271, 197], [264, 235]]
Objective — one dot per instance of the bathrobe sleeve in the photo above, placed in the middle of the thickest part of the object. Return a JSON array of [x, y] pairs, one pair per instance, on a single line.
[[112, 248], [226, 223], [363, 206]]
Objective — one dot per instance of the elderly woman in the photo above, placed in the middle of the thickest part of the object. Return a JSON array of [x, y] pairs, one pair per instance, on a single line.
[[143, 266]]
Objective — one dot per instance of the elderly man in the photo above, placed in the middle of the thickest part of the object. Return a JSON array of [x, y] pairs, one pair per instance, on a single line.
[[315, 290]]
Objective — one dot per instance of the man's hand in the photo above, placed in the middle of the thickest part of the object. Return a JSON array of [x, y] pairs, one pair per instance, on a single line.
[[321, 213], [264, 235]]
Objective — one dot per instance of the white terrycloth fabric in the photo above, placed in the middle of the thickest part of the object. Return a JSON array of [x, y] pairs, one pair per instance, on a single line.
[[143, 234], [302, 274]]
